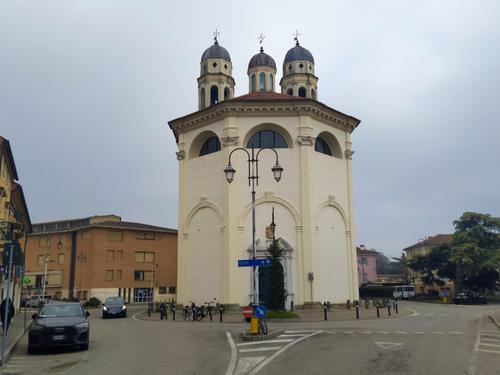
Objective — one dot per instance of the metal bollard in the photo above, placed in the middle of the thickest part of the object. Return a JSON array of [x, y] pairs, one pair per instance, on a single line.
[[397, 312], [149, 309], [173, 313], [389, 309], [194, 313], [366, 303], [348, 304], [210, 313], [324, 311], [378, 310], [220, 313], [357, 311]]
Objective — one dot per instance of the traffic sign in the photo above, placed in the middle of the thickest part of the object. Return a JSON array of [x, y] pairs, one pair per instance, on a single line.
[[254, 262], [247, 311], [260, 311]]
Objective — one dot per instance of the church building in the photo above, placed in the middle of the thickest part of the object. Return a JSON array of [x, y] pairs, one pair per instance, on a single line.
[[312, 202]]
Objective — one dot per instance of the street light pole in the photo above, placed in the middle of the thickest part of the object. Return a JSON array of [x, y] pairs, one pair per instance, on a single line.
[[253, 179]]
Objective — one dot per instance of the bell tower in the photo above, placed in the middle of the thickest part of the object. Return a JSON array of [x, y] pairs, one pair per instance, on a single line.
[[216, 82]]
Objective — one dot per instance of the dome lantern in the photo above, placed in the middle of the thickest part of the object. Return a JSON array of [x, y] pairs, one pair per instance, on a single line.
[[261, 71]]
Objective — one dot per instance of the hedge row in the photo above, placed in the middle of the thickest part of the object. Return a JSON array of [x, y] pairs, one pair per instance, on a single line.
[[375, 292]]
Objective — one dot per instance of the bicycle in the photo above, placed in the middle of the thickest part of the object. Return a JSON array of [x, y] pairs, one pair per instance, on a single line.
[[204, 310], [262, 324], [187, 311]]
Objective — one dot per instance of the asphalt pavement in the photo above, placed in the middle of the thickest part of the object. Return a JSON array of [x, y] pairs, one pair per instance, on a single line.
[[436, 339]]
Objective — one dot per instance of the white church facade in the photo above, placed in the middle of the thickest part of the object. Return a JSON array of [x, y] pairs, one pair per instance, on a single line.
[[313, 201]]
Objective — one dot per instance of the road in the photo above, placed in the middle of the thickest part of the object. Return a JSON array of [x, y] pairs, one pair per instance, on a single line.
[[439, 339]]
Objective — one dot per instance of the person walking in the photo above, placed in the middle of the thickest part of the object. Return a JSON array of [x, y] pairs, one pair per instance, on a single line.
[[163, 311], [10, 313]]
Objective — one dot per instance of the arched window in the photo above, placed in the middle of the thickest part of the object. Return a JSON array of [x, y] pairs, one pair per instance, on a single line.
[[254, 84], [289, 91], [267, 138], [226, 93], [214, 95], [202, 98], [211, 145], [262, 81], [302, 92], [271, 82], [322, 146]]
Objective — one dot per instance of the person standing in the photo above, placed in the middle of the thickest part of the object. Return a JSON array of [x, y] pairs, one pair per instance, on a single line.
[[163, 311], [10, 313]]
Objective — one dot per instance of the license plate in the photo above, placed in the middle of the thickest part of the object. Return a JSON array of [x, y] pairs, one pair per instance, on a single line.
[[58, 337]]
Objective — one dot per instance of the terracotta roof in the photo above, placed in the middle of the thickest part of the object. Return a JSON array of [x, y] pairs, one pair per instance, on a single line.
[[438, 239], [360, 251], [259, 96], [133, 226]]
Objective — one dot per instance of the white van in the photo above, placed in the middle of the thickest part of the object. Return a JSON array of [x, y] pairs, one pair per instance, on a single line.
[[403, 291]]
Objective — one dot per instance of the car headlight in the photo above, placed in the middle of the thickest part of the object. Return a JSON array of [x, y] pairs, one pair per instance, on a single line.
[[124, 307], [104, 308], [82, 325], [37, 327]]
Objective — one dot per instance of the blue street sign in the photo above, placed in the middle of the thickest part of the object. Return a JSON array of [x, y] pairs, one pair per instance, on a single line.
[[254, 262], [260, 311]]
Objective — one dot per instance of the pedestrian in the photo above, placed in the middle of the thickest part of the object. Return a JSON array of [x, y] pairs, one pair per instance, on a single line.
[[163, 311], [10, 313]]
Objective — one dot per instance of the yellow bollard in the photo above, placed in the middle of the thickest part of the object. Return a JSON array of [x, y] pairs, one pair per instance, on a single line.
[[445, 300], [254, 325]]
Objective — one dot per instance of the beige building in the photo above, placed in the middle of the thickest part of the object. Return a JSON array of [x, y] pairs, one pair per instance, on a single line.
[[312, 202], [422, 248], [102, 256], [15, 221]]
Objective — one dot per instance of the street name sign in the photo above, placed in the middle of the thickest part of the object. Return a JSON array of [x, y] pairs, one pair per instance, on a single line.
[[254, 262]]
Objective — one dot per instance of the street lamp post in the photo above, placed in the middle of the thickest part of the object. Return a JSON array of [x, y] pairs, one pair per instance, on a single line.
[[253, 179]]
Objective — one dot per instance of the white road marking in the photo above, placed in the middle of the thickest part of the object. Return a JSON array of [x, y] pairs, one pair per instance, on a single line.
[[293, 335], [492, 345], [488, 339], [366, 332], [299, 331], [264, 342], [456, 332], [402, 332], [488, 351], [232, 362], [438, 333], [388, 345], [383, 332], [261, 365], [246, 364], [420, 332], [347, 332], [473, 358], [264, 349]]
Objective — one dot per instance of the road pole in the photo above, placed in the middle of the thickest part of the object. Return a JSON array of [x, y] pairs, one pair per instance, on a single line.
[[6, 312]]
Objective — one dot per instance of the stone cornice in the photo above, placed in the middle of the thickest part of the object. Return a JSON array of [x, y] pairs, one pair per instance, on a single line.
[[234, 107]]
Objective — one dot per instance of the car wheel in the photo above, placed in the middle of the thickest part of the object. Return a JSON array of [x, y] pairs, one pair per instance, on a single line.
[[84, 346]]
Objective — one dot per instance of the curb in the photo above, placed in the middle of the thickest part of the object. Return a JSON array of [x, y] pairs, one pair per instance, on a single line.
[[245, 336], [495, 321], [14, 343]]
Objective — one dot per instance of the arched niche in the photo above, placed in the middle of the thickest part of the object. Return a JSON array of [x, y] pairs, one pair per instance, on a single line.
[[269, 126], [333, 144], [199, 141]]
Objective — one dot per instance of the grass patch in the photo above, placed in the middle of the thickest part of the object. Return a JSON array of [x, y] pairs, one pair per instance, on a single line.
[[281, 315]]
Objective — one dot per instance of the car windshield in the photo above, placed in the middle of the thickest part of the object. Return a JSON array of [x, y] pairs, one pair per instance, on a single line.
[[114, 301], [50, 311]]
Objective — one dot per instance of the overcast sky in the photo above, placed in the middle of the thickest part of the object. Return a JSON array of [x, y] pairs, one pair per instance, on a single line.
[[87, 88]]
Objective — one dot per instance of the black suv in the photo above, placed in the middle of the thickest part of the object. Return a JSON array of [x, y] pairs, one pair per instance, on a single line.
[[59, 324]]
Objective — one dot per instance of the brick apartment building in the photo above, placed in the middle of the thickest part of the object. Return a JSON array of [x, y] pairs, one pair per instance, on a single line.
[[102, 256]]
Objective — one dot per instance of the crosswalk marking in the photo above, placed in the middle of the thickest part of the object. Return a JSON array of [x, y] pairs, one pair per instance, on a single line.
[[303, 331], [264, 349], [383, 332], [456, 332], [402, 332], [276, 341], [420, 332], [489, 351], [493, 345], [293, 335], [488, 339]]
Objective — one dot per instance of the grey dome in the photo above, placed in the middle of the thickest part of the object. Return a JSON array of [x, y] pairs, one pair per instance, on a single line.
[[216, 51], [261, 59], [298, 53]]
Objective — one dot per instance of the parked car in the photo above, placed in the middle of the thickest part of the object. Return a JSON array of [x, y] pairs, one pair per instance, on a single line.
[[59, 324], [469, 298], [114, 307], [37, 300]]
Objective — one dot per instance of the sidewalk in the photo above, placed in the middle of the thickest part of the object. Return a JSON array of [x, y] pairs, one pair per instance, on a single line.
[[495, 317], [304, 315], [15, 333]]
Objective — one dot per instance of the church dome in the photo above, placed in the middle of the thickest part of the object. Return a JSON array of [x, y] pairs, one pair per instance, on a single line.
[[261, 59], [216, 51], [298, 53]]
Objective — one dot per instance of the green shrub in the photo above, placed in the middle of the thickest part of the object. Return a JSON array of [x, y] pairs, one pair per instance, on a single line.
[[93, 302], [274, 314]]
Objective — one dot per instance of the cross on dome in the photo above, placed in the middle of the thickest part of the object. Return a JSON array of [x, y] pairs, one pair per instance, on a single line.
[[216, 35], [261, 39], [296, 37]]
